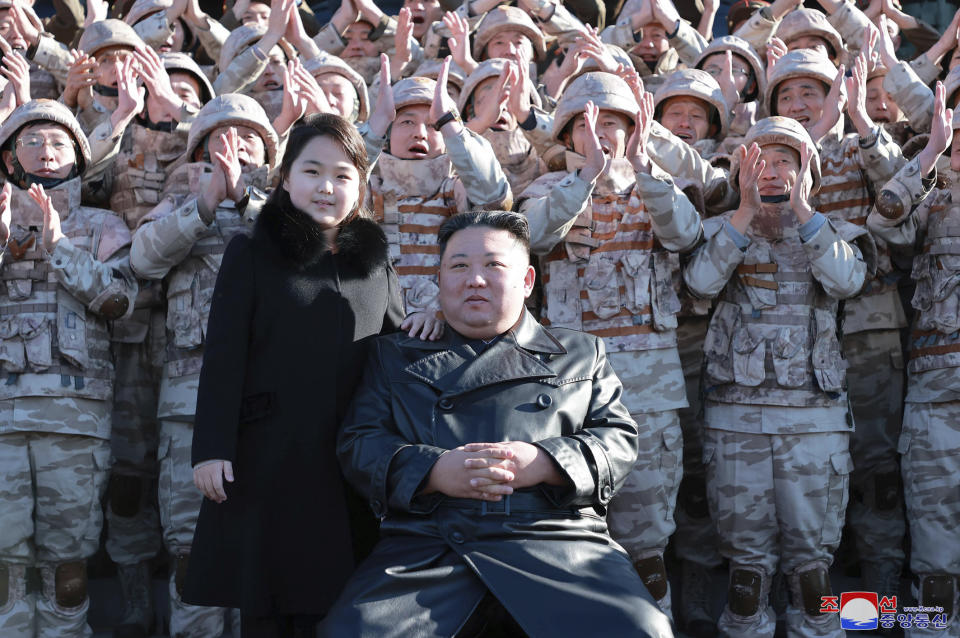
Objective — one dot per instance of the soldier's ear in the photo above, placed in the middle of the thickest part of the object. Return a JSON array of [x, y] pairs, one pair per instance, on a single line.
[[8, 161]]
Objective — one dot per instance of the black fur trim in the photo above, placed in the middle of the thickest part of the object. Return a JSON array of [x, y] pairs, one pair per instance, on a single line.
[[361, 244]]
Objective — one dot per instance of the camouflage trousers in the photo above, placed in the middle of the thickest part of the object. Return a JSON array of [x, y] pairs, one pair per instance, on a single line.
[[930, 444], [133, 520], [696, 537], [179, 507], [778, 502], [51, 486], [875, 385]]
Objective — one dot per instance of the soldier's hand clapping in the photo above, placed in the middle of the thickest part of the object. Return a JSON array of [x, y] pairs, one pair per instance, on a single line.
[[442, 102], [385, 111], [16, 69], [486, 114], [751, 168], [802, 189], [157, 81], [6, 213], [941, 132], [833, 107], [401, 47], [459, 41], [51, 218], [81, 75], [637, 144], [226, 179], [596, 159]]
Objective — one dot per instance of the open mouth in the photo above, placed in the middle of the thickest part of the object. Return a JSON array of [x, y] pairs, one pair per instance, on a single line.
[[272, 85], [683, 135], [803, 119], [417, 19], [418, 150], [881, 118]]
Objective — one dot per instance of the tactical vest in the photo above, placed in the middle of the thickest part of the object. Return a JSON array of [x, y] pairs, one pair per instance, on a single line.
[[519, 160], [773, 336], [411, 200], [271, 101], [189, 285], [844, 194], [50, 344], [935, 339], [610, 276], [97, 112], [140, 170]]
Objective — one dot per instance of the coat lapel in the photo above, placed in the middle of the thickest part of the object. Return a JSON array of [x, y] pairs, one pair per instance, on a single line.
[[456, 369]]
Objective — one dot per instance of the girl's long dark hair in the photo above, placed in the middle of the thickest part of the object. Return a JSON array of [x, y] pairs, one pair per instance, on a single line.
[[343, 133]]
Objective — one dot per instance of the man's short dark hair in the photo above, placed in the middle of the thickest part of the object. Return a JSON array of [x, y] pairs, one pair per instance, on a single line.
[[514, 223]]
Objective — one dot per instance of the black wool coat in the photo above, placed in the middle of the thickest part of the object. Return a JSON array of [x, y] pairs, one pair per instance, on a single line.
[[289, 328]]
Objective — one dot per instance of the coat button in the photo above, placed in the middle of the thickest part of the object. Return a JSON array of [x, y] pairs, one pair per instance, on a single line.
[[606, 492], [457, 538], [445, 404], [544, 400]]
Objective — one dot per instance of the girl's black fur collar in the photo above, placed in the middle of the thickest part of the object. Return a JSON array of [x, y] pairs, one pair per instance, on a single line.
[[361, 243]]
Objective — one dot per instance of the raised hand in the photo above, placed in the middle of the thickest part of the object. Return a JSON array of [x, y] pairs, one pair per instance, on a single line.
[[665, 12], [6, 213], [728, 85], [97, 11], [802, 190], [23, 24], [345, 15], [229, 162], [17, 71], [633, 80], [401, 44], [385, 112], [130, 95], [833, 107], [157, 81], [596, 159], [888, 52], [751, 168], [81, 75], [857, 94], [637, 144], [776, 49], [51, 218], [292, 107], [310, 91], [442, 102], [459, 41], [941, 132], [518, 103]]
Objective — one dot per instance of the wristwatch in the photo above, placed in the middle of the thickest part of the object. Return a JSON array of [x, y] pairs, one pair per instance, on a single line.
[[449, 116]]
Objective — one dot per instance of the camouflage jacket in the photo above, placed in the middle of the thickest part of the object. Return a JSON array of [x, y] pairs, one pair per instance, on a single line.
[[155, 29], [174, 244], [851, 172], [55, 307], [773, 335]]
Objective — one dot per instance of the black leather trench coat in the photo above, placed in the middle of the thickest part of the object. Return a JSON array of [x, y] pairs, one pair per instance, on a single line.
[[544, 553]]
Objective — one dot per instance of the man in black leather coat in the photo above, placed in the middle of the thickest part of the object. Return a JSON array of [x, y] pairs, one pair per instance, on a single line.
[[490, 456]]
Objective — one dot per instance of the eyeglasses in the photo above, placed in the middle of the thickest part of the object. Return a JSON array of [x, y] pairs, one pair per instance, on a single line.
[[35, 142], [715, 71]]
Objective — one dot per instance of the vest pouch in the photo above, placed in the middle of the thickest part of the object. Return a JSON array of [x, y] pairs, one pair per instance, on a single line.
[[923, 294], [422, 297], [563, 295], [183, 320], [829, 366], [663, 295], [717, 344], [636, 276], [790, 357], [749, 352], [603, 287], [72, 329], [19, 289], [12, 354], [37, 342], [945, 274]]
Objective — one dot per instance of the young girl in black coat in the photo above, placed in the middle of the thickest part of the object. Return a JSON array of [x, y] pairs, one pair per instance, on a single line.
[[293, 310]]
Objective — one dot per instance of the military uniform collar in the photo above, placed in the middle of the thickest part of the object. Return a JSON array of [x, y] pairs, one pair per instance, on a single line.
[[410, 177]]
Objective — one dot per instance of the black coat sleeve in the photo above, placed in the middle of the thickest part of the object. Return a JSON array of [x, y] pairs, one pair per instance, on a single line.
[[225, 356], [394, 314]]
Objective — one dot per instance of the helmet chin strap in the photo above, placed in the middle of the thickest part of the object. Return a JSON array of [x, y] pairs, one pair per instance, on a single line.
[[774, 199], [106, 91]]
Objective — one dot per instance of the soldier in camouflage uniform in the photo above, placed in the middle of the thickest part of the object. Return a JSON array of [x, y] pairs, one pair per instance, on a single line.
[[345, 90], [182, 242], [607, 270], [425, 175], [911, 213], [66, 274], [777, 432], [853, 168], [157, 22], [750, 80]]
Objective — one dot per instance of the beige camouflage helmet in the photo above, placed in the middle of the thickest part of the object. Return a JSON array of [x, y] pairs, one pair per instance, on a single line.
[[491, 68], [143, 9], [108, 33], [779, 130], [246, 36], [802, 63], [413, 91], [328, 63], [801, 22], [696, 84], [431, 69], [50, 111], [183, 62], [607, 91], [505, 18], [232, 109], [738, 46], [951, 85]]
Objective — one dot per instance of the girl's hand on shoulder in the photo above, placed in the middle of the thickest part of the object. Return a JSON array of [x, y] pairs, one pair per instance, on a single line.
[[423, 324]]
